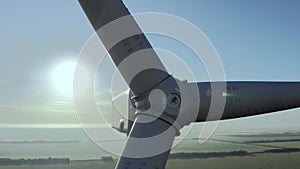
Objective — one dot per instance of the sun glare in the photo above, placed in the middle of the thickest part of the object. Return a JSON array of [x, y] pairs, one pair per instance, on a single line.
[[62, 78]]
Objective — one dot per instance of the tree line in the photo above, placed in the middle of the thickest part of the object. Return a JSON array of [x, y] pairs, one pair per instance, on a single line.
[[39, 161], [191, 155]]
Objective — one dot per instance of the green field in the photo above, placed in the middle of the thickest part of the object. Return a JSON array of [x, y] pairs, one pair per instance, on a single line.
[[93, 164], [216, 146], [218, 143], [291, 144], [261, 161]]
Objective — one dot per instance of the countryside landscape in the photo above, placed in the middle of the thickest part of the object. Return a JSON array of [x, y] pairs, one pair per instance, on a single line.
[[261, 150]]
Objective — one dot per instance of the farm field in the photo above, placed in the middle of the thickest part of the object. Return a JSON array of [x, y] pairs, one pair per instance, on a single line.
[[256, 145], [261, 161]]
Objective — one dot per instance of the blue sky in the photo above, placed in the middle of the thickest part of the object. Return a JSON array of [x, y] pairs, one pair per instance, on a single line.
[[256, 40]]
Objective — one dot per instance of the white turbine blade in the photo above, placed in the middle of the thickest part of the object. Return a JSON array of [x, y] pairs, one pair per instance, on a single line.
[[148, 145], [123, 38], [247, 98]]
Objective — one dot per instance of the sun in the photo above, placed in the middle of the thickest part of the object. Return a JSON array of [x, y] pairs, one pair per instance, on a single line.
[[62, 78]]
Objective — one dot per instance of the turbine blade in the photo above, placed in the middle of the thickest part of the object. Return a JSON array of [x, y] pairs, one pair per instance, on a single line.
[[148, 145], [246, 98], [123, 38]]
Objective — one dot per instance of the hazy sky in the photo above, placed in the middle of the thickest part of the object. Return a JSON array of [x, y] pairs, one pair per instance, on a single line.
[[256, 40]]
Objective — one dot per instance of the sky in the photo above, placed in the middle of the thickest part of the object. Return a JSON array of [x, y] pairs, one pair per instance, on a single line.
[[256, 40]]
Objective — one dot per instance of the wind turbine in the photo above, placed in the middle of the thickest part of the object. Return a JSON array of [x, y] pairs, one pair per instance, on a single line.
[[157, 98]]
